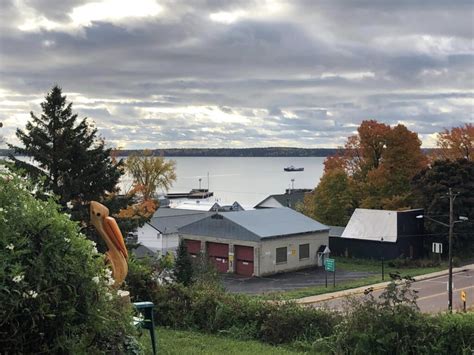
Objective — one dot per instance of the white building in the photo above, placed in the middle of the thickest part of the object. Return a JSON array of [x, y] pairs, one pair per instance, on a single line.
[[160, 234]]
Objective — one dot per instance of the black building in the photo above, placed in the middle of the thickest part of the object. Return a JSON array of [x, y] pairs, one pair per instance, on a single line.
[[379, 233]]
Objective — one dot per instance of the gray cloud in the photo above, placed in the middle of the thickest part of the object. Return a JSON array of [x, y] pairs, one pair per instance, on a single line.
[[302, 74]]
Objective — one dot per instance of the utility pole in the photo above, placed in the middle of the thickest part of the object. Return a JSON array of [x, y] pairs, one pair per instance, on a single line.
[[452, 196], [450, 252]]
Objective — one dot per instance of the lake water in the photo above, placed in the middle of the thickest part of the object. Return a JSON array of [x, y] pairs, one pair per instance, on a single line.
[[242, 179], [246, 180]]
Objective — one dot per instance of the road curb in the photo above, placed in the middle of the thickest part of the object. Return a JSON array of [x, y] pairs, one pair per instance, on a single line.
[[375, 287]]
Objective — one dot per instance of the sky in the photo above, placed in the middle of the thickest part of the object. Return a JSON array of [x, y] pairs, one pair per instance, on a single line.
[[243, 73]]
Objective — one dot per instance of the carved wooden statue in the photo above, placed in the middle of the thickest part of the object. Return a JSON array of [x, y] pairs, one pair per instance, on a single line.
[[107, 227]]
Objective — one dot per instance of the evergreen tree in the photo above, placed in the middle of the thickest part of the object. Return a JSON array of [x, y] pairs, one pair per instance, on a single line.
[[72, 162], [430, 189], [183, 268]]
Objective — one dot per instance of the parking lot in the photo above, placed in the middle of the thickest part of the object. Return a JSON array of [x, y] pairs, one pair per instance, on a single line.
[[286, 281]]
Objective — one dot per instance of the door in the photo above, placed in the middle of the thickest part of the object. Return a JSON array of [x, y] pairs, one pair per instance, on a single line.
[[218, 254], [193, 247], [244, 260]]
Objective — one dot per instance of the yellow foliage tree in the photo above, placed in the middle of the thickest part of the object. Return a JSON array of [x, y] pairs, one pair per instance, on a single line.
[[150, 173]]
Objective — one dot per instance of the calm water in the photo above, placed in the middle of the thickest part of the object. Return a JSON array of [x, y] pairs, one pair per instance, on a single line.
[[246, 180]]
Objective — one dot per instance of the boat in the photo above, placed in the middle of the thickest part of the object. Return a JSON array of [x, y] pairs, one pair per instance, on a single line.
[[292, 168]]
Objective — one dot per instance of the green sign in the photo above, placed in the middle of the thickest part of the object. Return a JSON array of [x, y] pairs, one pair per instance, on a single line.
[[330, 265]]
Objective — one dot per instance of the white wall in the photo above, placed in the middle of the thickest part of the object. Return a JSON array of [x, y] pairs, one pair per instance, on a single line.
[[268, 247], [151, 238]]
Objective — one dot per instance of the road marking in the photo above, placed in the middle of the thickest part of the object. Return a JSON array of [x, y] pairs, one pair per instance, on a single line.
[[443, 293], [438, 282]]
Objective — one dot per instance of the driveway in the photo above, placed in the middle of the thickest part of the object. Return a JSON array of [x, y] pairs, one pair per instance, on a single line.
[[286, 281]]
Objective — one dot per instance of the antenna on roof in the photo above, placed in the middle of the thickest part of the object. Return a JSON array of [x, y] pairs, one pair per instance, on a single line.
[[292, 184]]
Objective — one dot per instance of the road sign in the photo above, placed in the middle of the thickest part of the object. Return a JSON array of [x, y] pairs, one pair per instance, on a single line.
[[437, 248], [330, 265], [463, 296]]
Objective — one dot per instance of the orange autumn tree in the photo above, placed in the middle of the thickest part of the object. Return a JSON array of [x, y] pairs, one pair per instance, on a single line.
[[373, 170], [457, 143]]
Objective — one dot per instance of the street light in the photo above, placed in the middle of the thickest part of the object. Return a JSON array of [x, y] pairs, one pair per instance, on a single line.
[[451, 224], [383, 272]]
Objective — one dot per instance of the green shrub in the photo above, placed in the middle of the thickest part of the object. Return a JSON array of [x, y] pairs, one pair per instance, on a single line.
[[54, 289], [452, 334], [142, 278], [211, 309], [392, 324], [401, 263]]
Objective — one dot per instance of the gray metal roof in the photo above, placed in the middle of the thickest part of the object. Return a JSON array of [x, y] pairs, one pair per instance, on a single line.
[[255, 224], [168, 220], [290, 199], [336, 231], [275, 222]]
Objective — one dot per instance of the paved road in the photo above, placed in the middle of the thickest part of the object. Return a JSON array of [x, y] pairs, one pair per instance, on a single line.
[[432, 293], [286, 281]]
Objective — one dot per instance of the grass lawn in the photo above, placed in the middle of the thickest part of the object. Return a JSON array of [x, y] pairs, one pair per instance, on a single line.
[[190, 342], [355, 265]]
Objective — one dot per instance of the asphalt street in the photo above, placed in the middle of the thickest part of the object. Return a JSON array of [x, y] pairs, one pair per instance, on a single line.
[[286, 281], [432, 293]]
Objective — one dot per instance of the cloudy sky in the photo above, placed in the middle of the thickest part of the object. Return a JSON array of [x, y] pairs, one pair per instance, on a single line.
[[221, 73]]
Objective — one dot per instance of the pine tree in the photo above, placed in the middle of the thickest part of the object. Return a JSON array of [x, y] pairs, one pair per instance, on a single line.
[[183, 268], [70, 160], [430, 189]]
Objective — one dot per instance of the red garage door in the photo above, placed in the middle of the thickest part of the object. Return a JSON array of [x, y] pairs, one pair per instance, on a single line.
[[244, 260], [219, 254], [193, 246]]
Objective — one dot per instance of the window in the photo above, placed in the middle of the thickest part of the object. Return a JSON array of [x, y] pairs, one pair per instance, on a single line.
[[304, 251], [281, 255]]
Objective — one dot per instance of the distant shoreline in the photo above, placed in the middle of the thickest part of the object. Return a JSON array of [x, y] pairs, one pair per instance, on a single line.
[[231, 152]]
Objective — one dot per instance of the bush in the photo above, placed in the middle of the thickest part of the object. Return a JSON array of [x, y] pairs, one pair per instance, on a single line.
[[401, 263], [394, 325], [141, 278], [54, 295], [210, 309], [452, 334]]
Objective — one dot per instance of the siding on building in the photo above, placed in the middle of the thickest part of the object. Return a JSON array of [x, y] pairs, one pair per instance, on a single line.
[[268, 248]]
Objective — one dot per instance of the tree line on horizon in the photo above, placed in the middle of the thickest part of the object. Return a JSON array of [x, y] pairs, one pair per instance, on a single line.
[[226, 152]]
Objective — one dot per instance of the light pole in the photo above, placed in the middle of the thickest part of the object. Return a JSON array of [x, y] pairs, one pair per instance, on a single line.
[[452, 196], [383, 273]]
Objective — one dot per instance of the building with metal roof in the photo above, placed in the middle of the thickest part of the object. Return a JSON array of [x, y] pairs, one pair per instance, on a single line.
[[380, 233], [291, 198], [257, 242], [160, 234]]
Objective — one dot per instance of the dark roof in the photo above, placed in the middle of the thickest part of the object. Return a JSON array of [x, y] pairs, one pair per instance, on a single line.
[[142, 251], [254, 225], [168, 220], [288, 199], [336, 231]]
